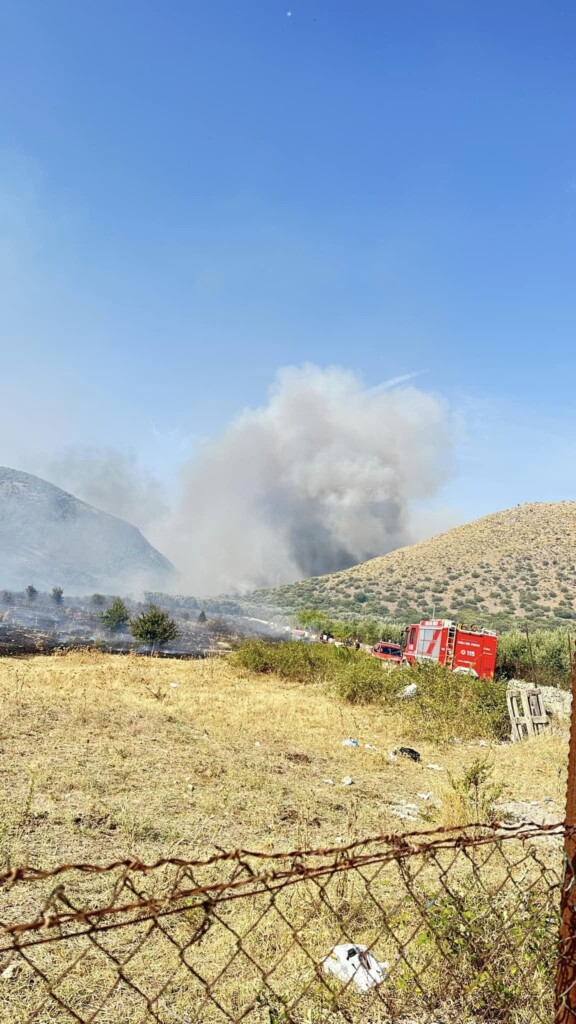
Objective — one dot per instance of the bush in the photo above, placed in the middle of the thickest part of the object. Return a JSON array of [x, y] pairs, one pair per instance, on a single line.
[[449, 704], [154, 627], [470, 797], [31, 593], [446, 704], [116, 617], [303, 663], [367, 681], [501, 944], [545, 659], [57, 594]]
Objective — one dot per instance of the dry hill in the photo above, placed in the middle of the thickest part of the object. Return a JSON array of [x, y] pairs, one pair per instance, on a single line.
[[509, 567], [48, 537]]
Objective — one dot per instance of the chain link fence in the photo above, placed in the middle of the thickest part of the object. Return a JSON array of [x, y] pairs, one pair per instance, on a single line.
[[444, 926]]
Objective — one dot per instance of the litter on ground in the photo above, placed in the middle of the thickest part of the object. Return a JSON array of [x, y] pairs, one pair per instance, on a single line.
[[435, 767], [425, 796], [350, 743], [408, 812], [328, 782], [409, 691], [350, 963], [370, 746], [409, 752], [347, 781]]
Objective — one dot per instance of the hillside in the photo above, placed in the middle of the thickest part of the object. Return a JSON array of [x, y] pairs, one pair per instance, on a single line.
[[509, 567], [49, 537]]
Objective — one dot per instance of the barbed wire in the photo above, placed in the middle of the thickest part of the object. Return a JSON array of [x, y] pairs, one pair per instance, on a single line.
[[444, 907]]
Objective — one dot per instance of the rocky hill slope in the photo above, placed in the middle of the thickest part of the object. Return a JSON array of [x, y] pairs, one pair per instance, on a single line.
[[48, 537], [507, 568]]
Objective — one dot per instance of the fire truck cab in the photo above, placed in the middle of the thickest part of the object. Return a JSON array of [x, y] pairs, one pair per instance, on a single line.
[[461, 648]]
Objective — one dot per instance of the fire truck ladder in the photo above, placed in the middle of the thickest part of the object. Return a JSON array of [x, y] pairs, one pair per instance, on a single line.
[[450, 646]]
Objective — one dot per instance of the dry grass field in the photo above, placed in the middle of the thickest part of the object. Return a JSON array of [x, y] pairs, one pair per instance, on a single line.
[[103, 757]]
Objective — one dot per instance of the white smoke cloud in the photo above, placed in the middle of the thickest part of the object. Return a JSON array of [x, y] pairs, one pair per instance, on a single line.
[[321, 477], [112, 481]]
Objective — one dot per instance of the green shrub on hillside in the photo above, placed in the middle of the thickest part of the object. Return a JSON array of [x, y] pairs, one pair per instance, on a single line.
[[543, 658]]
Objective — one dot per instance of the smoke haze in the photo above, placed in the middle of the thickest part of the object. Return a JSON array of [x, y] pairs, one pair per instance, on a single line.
[[111, 480], [327, 473], [323, 476]]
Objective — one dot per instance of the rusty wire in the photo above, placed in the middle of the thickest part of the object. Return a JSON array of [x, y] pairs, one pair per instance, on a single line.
[[264, 922]]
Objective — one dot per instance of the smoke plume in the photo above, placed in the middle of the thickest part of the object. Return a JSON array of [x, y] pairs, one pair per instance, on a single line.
[[112, 481], [323, 476]]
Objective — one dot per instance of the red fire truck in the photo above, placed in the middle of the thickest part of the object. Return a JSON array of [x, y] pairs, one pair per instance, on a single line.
[[460, 648]]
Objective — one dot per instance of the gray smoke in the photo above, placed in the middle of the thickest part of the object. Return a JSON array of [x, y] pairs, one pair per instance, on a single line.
[[323, 476], [112, 481]]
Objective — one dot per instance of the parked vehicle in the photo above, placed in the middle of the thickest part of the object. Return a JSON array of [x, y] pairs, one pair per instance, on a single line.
[[387, 652], [465, 649]]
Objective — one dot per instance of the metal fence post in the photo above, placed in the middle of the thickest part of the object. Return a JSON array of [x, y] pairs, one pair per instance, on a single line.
[[566, 973]]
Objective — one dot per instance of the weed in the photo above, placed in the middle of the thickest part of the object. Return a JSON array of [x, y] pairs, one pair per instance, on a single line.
[[471, 796]]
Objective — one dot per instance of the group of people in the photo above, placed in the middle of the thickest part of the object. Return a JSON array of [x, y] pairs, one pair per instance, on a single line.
[[326, 637]]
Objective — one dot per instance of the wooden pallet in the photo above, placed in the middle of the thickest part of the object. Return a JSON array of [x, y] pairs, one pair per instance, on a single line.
[[527, 713]]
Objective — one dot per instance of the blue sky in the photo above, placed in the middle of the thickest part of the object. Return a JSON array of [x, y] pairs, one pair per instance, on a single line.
[[194, 194]]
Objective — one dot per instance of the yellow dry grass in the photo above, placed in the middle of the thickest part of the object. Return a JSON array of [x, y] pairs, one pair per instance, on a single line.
[[104, 756]]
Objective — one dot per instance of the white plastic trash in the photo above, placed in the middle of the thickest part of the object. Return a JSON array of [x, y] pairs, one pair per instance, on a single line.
[[409, 691], [350, 743], [347, 781], [352, 963], [409, 812]]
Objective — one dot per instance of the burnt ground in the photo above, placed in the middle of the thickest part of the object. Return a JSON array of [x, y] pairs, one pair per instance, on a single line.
[[39, 629]]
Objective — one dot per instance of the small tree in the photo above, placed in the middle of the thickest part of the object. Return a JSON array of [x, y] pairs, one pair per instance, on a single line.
[[202, 618], [57, 594], [117, 616], [7, 597], [98, 600], [31, 593], [154, 627]]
